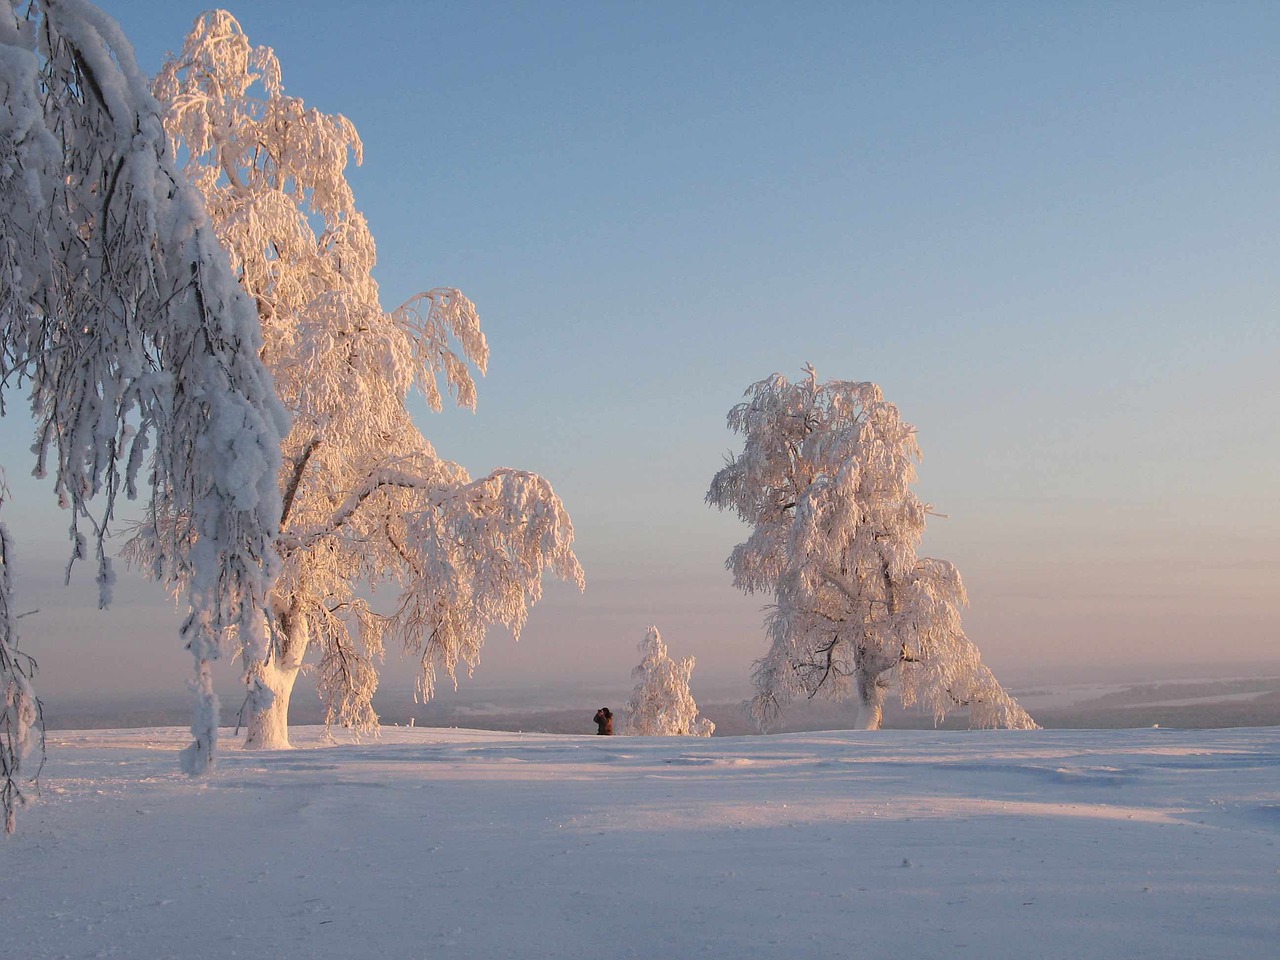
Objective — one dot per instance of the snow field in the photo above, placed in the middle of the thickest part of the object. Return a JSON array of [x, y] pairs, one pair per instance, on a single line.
[[476, 844]]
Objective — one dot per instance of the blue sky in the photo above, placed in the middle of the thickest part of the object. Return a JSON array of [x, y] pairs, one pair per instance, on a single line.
[[1048, 231]]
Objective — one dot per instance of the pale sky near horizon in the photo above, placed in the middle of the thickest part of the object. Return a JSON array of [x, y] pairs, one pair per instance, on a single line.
[[1047, 230]]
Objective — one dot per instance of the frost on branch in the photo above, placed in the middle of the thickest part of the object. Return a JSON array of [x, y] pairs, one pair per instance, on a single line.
[[824, 481], [661, 704], [124, 324], [366, 499]]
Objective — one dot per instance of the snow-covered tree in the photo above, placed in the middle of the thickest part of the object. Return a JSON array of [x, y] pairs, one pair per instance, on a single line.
[[824, 481], [366, 499], [120, 317], [661, 704]]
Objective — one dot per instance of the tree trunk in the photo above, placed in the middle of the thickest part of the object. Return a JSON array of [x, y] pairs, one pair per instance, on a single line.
[[870, 663], [872, 688], [268, 726]]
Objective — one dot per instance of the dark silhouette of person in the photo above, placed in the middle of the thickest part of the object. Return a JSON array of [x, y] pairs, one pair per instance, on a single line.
[[604, 722]]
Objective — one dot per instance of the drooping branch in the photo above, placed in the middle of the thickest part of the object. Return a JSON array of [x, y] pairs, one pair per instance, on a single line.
[[123, 320]]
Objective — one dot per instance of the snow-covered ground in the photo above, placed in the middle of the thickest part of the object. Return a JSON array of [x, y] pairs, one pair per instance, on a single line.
[[469, 844]]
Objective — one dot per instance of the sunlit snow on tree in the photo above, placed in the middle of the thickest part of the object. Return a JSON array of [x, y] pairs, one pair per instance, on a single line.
[[366, 498], [823, 480], [122, 321], [661, 704]]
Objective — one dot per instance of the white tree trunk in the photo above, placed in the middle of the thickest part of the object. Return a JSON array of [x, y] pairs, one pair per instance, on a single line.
[[268, 727], [871, 692]]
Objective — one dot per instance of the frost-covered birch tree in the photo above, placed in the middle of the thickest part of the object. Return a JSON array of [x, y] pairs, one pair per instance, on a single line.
[[366, 499], [124, 325], [661, 704], [824, 480]]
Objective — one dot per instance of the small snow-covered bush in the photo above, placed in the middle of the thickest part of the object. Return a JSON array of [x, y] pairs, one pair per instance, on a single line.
[[661, 704]]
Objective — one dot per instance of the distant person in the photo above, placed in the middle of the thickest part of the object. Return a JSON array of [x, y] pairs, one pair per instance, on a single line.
[[604, 722]]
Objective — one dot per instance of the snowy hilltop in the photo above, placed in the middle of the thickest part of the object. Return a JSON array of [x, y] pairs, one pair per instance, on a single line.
[[456, 843]]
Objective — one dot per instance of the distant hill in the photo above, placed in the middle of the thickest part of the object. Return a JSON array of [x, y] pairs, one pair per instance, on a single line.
[[1191, 704]]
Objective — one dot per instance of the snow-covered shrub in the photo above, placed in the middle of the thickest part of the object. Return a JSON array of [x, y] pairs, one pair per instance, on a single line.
[[661, 704]]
